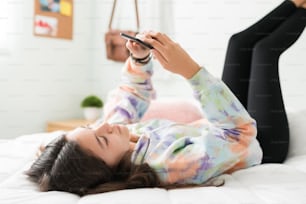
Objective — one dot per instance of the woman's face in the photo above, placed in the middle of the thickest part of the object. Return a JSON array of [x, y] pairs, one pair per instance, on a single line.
[[108, 142]]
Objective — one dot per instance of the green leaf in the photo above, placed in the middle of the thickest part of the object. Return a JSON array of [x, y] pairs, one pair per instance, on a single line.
[[92, 101]]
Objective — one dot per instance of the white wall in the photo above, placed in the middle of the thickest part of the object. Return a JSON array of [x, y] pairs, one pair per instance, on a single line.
[[45, 79], [203, 28], [205, 31], [154, 15]]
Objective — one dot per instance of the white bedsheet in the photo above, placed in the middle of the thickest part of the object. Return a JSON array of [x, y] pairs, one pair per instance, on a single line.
[[268, 183]]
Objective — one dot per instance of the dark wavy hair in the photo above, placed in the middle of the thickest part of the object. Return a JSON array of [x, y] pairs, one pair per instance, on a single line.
[[65, 166]]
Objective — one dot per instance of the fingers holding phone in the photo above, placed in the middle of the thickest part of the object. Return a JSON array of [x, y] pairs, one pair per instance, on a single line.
[[137, 39], [171, 55], [136, 46]]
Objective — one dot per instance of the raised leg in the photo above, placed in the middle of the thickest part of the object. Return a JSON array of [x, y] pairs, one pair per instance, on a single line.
[[265, 102], [237, 65]]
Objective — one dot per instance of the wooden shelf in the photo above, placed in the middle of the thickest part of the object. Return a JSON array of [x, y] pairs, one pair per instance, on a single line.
[[65, 125]]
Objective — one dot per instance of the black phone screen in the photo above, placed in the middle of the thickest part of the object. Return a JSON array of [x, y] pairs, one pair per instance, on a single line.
[[128, 37]]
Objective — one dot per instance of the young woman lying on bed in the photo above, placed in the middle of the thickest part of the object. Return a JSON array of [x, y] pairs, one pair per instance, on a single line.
[[124, 153]]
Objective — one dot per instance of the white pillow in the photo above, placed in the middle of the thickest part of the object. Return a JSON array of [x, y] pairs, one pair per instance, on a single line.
[[297, 129]]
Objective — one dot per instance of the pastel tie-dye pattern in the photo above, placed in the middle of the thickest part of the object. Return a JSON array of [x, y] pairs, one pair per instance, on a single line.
[[186, 153]]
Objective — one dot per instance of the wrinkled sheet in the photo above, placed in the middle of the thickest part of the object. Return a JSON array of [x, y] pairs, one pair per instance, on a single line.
[[267, 183]]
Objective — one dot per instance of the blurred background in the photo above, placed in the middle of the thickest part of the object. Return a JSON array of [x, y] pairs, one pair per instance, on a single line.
[[45, 79]]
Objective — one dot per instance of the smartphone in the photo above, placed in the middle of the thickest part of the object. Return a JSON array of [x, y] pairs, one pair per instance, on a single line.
[[128, 37]]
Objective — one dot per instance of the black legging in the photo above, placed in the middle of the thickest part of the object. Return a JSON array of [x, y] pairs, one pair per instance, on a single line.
[[251, 72]]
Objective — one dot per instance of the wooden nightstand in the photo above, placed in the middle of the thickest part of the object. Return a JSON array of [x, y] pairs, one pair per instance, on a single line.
[[66, 125]]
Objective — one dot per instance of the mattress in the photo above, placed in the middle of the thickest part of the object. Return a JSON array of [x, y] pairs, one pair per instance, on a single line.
[[267, 183]]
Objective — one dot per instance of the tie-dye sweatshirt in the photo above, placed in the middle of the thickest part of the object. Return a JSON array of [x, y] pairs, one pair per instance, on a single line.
[[223, 142]]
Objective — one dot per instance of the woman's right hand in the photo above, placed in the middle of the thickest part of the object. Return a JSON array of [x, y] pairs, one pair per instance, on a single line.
[[171, 55], [136, 49]]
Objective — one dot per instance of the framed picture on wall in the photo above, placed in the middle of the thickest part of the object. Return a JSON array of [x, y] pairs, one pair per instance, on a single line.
[[53, 18]]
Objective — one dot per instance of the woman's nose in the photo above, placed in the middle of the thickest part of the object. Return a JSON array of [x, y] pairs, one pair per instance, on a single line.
[[105, 127]]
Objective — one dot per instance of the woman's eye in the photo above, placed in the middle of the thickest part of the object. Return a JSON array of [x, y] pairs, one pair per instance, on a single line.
[[102, 141], [105, 140]]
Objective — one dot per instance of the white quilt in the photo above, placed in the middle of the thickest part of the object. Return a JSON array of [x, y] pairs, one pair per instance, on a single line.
[[268, 183]]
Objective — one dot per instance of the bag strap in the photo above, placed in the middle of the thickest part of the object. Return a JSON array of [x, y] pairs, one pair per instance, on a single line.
[[113, 11]]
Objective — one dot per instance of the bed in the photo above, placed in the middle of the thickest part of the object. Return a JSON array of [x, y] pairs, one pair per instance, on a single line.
[[267, 183]]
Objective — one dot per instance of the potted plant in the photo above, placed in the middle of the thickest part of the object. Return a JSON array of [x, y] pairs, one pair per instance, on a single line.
[[92, 106]]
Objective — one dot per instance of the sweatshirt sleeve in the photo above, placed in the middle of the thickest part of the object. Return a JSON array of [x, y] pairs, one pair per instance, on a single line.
[[129, 101], [229, 121], [220, 106], [223, 142]]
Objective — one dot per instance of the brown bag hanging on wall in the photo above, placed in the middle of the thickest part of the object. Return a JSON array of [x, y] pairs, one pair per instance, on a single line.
[[115, 45]]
